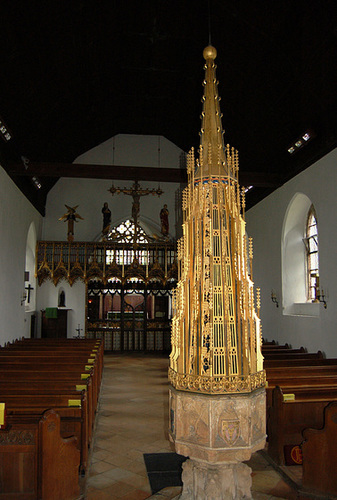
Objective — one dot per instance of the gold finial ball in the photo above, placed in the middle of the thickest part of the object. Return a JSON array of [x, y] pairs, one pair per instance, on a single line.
[[209, 52]]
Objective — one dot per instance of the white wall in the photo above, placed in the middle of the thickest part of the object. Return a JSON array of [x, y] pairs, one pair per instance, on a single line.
[[16, 216], [265, 224], [90, 194]]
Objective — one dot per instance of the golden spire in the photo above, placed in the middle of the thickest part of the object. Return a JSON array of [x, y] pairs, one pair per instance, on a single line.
[[216, 335], [211, 143]]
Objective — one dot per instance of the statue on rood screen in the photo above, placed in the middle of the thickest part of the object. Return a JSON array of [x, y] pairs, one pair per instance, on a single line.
[[71, 217], [106, 218], [164, 221]]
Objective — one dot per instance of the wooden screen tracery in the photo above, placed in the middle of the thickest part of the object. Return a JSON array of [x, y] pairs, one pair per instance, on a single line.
[[130, 317]]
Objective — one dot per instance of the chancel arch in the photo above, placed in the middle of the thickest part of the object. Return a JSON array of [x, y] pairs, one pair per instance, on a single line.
[[131, 307]]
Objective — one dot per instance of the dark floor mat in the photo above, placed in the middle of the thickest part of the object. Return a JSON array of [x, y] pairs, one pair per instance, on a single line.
[[163, 470]]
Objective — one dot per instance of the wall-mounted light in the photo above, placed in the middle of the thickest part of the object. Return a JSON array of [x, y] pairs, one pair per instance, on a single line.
[[320, 297], [23, 297], [274, 298]]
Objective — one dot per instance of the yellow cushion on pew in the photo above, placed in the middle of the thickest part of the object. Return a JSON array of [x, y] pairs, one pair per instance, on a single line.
[[88, 368], [2, 413], [266, 383], [91, 361], [94, 350], [288, 397], [93, 355], [84, 376], [81, 388], [74, 402]]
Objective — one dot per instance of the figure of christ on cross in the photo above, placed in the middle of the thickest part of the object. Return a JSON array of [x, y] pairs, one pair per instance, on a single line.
[[136, 192]]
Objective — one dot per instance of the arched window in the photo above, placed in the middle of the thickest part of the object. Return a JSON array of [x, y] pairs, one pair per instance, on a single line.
[[126, 233], [312, 261]]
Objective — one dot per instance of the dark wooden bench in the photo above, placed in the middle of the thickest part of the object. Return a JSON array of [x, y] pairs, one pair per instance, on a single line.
[[38, 375], [71, 407], [270, 363], [274, 345], [319, 450], [67, 348], [288, 419], [53, 365], [282, 349], [36, 462], [279, 355], [45, 376], [274, 372], [310, 373]]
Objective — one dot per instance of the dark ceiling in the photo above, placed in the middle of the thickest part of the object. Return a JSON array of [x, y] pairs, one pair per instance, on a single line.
[[75, 73]]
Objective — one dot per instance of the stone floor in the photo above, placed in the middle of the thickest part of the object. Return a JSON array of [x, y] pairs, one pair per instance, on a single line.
[[133, 420]]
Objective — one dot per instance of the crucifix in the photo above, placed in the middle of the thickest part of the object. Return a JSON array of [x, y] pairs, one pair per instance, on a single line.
[[29, 288], [136, 192]]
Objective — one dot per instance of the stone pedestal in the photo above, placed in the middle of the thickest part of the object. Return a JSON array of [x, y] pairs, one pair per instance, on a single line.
[[217, 433]]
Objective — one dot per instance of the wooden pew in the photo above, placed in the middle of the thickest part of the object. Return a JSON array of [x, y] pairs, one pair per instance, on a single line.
[[319, 451], [273, 345], [280, 349], [293, 355], [47, 377], [71, 407], [287, 419], [53, 365], [317, 373], [35, 462], [276, 372], [36, 363], [67, 347], [270, 363]]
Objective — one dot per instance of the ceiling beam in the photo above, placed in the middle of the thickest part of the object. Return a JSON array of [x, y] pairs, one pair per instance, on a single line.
[[118, 172]]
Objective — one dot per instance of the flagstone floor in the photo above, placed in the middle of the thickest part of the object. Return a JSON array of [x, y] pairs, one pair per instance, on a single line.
[[132, 420]]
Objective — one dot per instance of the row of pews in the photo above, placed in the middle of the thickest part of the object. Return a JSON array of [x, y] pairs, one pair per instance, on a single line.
[[49, 390], [302, 414]]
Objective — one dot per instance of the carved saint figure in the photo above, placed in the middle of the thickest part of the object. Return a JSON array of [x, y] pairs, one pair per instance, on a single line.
[[71, 217], [106, 218], [164, 213]]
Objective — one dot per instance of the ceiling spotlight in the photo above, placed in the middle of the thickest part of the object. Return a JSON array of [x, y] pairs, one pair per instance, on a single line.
[[4, 132], [248, 188], [36, 182], [301, 141]]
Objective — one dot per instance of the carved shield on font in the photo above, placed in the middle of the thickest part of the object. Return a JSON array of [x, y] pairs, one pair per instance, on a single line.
[[230, 431]]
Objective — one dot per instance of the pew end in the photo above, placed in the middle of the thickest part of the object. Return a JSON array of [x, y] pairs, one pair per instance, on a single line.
[[319, 450], [36, 462]]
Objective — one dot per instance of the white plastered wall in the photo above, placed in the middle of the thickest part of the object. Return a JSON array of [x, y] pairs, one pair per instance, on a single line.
[[17, 217], [265, 223]]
